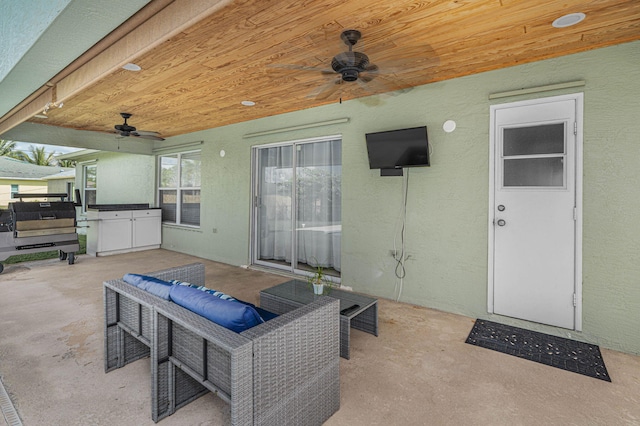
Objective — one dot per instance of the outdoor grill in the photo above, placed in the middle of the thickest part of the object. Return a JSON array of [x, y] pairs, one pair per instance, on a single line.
[[38, 226]]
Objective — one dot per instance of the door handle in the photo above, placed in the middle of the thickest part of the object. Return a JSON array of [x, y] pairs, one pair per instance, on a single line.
[[501, 222]]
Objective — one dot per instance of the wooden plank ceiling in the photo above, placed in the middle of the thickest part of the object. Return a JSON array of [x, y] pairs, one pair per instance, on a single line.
[[196, 79]]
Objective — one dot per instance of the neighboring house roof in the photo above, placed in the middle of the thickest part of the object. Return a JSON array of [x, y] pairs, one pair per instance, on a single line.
[[65, 174], [10, 168]]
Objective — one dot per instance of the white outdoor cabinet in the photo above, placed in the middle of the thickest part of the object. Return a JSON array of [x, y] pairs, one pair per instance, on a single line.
[[122, 231], [146, 228]]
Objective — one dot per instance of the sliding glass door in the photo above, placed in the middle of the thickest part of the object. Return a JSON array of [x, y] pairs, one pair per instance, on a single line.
[[297, 221]]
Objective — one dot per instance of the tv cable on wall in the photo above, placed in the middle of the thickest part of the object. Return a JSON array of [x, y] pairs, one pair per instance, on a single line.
[[400, 256]]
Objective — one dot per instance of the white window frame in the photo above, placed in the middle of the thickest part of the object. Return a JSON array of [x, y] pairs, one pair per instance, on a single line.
[[179, 188], [11, 190], [84, 185]]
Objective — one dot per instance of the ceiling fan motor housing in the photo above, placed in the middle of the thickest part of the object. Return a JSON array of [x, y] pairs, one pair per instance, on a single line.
[[350, 64], [125, 129]]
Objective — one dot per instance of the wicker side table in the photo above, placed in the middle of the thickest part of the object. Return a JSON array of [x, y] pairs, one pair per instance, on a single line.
[[292, 294]]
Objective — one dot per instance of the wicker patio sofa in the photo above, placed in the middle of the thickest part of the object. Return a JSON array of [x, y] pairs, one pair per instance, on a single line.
[[284, 371]]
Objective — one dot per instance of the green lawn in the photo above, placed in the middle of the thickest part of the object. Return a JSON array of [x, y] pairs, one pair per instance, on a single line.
[[82, 239]]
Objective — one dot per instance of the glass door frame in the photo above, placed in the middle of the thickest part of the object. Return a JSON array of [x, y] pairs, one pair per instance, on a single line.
[[255, 175]]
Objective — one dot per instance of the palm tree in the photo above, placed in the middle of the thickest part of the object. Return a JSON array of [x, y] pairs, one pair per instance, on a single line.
[[8, 149], [38, 156], [66, 163]]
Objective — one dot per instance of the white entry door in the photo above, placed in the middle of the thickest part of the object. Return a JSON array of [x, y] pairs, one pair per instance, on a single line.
[[534, 211]]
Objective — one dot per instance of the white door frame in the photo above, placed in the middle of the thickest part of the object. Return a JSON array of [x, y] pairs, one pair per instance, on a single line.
[[579, 102]]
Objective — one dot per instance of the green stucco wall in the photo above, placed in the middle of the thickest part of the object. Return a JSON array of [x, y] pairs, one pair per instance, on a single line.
[[121, 178], [447, 207]]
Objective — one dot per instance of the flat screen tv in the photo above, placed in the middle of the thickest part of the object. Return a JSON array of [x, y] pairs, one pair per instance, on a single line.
[[392, 150]]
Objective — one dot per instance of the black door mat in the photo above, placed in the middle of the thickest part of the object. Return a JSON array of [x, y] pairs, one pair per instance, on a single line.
[[566, 354]]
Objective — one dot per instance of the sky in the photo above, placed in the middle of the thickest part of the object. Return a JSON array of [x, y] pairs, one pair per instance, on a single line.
[[23, 146]]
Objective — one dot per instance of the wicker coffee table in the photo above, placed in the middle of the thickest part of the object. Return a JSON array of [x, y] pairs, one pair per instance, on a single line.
[[293, 294]]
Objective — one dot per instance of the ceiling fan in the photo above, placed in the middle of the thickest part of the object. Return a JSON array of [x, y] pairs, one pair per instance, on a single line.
[[125, 130], [348, 67]]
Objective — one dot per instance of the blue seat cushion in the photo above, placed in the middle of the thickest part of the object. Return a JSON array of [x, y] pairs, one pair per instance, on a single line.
[[153, 285], [266, 315], [235, 316]]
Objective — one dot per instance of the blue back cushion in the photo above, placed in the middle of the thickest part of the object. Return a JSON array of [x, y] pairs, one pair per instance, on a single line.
[[216, 293], [153, 285], [229, 314]]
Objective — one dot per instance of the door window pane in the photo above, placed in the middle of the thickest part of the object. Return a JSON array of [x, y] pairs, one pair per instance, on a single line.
[[275, 186], [534, 140], [319, 204], [545, 171]]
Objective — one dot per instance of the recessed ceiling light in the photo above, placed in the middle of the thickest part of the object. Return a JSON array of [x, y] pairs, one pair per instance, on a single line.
[[248, 103], [569, 20], [131, 67]]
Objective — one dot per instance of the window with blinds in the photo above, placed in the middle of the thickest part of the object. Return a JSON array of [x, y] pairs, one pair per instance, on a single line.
[[179, 188]]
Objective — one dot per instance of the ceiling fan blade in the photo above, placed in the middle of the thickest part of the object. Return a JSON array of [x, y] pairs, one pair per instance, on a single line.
[[382, 84], [326, 90], [419, 62], [372, 68], [298, 67], [147, 132], [323, 43], [363, 84], [150, 137], [147, 135], [366, 78]]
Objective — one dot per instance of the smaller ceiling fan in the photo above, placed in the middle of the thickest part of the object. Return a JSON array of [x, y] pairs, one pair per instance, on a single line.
[[126, 130]]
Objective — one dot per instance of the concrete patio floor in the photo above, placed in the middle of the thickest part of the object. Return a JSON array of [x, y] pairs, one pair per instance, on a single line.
[[418, 371]]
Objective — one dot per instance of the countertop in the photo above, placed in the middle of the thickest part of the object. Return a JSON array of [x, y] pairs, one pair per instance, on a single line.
[[119, 207]]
